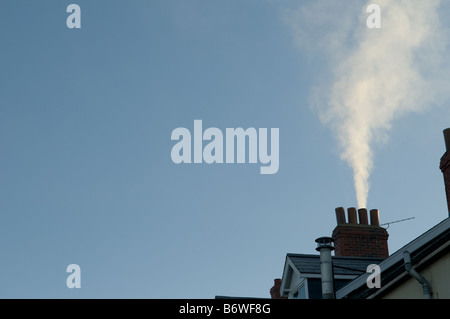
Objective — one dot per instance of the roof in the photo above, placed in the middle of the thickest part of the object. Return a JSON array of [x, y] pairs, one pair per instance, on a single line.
[[422, 249], [308, 266], [342, 265]]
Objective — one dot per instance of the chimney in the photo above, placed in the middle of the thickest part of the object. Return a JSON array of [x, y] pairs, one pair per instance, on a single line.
[[275, 290], [445, 166], [355, 239], [325, 246]]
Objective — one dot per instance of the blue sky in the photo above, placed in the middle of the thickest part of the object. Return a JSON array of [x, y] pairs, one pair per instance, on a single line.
[[86, 175]]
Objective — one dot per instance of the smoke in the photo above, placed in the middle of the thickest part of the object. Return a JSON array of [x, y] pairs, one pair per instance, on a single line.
[[372, 76]]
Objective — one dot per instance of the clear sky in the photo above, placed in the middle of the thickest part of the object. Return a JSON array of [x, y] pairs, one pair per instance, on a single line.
[[86, 116]]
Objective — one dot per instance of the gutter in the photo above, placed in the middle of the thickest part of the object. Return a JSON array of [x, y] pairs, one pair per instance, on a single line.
[[426, 287]]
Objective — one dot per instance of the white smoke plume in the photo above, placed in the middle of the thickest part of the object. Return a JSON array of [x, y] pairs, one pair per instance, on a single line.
[[373, 75]]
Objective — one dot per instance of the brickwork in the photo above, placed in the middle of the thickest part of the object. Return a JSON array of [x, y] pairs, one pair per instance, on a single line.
[[275, 290], [359, 240]]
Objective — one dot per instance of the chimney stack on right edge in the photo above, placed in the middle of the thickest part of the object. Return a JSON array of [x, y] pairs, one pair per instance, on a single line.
[[445, 166]]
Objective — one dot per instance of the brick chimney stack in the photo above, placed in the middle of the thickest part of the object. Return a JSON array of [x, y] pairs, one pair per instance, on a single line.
[[275, 290], [445, 166], [360, 239]]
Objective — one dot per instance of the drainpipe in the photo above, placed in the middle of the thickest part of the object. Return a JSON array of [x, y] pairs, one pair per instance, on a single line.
[[426, 287], [325, 246]]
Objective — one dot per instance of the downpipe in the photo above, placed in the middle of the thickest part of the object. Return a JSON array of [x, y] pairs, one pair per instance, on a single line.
[[426, 287]]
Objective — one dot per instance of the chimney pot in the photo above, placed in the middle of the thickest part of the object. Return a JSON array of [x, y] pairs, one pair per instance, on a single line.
[[352, 219], [374, 217], [340, 215], [362, 215], [447, 138]]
